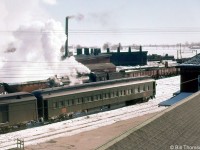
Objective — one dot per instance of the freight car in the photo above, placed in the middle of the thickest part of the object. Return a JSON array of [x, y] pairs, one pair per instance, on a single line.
[[154, 72], [68, 101]]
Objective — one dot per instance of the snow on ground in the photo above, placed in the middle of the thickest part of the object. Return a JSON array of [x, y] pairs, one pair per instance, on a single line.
[[165, 89]]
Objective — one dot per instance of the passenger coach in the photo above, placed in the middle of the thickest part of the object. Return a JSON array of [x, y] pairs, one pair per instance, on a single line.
[[17, 108], [93, 97]]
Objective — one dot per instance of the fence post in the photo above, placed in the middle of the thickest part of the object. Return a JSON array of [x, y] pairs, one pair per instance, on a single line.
[[20, 144]]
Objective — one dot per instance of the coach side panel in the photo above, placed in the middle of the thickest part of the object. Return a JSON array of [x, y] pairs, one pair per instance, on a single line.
[[96, 99]]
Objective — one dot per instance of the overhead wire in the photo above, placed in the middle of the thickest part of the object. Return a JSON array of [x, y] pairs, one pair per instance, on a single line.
[[110, 31]]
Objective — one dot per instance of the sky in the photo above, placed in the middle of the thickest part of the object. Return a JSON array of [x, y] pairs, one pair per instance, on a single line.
[[95, 22]]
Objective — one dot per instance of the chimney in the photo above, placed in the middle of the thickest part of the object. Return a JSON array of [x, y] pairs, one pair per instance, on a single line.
[[140, 48], [66, 43], [92, 51], [79, 51], [129, 49], [99, 51], [96, 51], [118, 48], [86, 51], [108, 50]]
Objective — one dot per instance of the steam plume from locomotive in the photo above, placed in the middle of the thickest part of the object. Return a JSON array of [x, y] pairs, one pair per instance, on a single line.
[[35, 53]]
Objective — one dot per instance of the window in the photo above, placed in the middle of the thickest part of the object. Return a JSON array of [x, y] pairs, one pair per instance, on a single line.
[[132, 90], [62, 103], [119, 93], [97, 97], [144, 89], [79, 100], [116, 94], [104, 96], [122, 93], [138, 89], [111, 94], [55, 105], [73, 102], [85, 99], [108, 95], [89, 99], [148, 88], [69, 102]]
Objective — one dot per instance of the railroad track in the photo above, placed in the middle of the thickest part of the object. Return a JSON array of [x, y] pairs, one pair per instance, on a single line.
[[67, 129]]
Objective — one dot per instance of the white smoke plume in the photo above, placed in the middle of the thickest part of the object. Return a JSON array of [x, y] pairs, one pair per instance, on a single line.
[[78, 17], [30, 49], [50, 2]]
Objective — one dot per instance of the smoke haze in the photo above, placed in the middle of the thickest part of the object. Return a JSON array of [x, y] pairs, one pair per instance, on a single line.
[[30, 44]]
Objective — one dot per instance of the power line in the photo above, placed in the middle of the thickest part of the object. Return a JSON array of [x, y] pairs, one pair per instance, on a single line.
[[127, 30]]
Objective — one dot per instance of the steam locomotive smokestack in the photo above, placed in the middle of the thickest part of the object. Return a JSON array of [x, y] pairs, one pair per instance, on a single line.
[[66, 43]]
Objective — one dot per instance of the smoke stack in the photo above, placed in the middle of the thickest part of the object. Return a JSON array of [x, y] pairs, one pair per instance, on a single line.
[[129, 49], [140, 48], [66, 43], [79, 51], [86, 51], [92, 51], [118, 48], [108, 50]]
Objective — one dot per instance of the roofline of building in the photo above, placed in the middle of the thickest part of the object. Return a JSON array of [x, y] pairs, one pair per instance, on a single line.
[[130, 131]]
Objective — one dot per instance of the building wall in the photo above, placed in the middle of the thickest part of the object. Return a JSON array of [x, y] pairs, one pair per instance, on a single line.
[[129, 58], [189, 79], [92, 60]]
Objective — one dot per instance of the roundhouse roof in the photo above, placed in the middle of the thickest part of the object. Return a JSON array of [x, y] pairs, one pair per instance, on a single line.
[[193, 62]]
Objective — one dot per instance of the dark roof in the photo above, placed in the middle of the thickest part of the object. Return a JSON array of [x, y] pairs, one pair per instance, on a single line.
[[101, 66], [177, 125], [193, 62], [91, 56], [16, 97], [175, 99]]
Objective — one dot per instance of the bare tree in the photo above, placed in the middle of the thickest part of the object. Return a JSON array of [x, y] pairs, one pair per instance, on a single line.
[[106, 45]]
